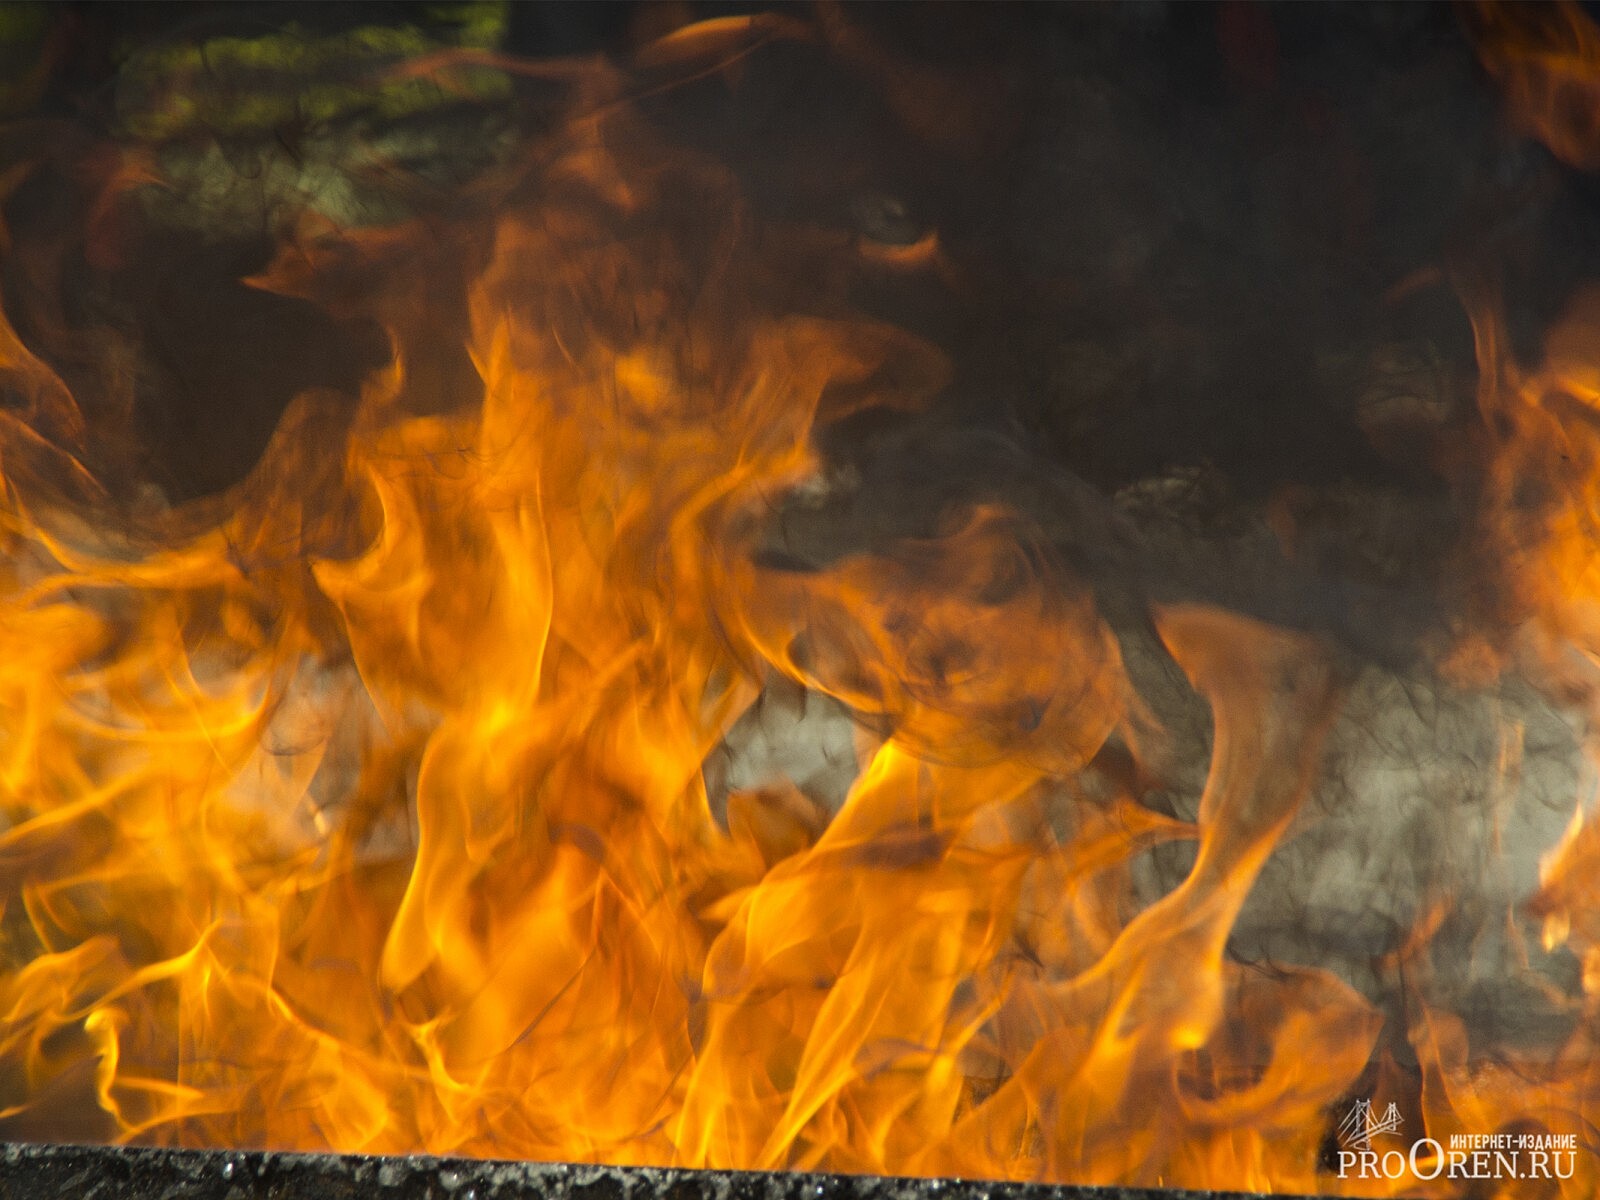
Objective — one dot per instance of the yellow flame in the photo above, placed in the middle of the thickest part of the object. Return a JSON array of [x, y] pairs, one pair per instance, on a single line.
[[367, 807]]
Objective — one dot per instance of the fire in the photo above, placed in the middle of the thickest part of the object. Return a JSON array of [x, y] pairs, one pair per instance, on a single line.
[[1544, 58], [377, 805]]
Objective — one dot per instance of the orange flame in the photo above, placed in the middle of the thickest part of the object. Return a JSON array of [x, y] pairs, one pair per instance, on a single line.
[[371, 807], [1545, 58]]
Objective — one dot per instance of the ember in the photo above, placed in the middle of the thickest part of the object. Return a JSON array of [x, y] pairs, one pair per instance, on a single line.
[[715, 657]]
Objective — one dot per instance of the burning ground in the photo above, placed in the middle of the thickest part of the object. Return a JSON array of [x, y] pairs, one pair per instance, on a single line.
[[994, 592]]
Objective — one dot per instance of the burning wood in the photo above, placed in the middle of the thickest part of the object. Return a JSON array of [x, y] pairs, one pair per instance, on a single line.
[[643, 713]]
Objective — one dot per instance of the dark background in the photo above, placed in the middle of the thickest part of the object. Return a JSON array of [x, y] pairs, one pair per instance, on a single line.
[[1207, 255]]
